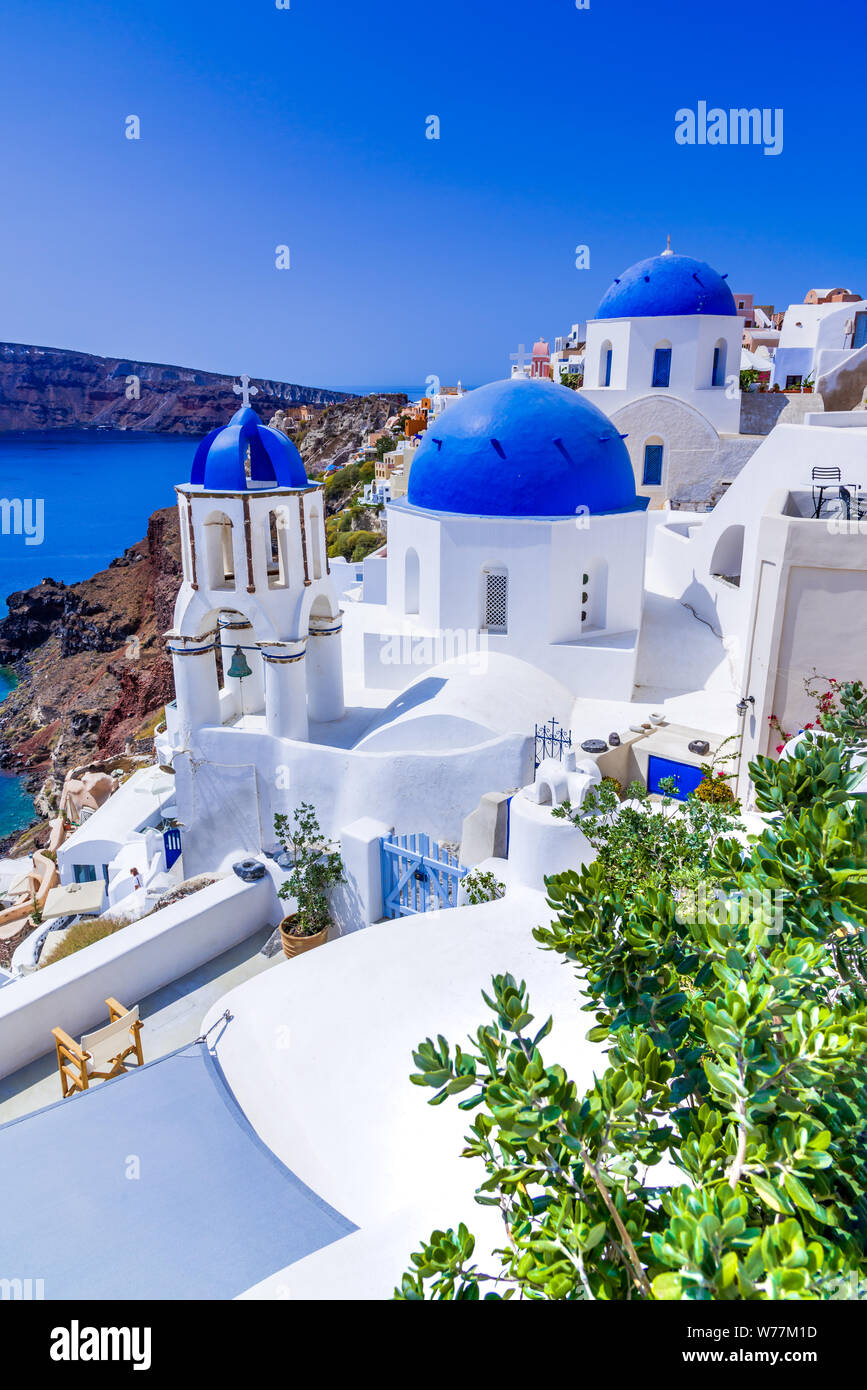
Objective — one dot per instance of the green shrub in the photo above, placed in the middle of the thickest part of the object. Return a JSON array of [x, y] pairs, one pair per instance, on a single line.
[[736, 1054]]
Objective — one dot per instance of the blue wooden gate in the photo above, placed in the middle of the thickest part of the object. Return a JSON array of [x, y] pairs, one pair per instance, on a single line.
[[172, 845], [417, 876]]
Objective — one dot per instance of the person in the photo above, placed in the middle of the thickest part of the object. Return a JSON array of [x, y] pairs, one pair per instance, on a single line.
[[136, 879]]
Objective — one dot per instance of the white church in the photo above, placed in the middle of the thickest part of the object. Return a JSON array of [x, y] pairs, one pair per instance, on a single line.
[[662, 359]]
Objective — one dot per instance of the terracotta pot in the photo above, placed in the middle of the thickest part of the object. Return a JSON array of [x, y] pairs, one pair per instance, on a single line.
[[296, 945]]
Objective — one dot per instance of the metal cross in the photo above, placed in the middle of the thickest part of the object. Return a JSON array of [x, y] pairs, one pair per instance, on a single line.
[[245, 390]]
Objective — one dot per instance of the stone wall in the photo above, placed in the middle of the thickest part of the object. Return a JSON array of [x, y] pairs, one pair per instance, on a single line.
[[761, 410]]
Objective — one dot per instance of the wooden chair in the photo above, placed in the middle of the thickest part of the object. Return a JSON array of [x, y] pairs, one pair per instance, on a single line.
[[101, 1054]]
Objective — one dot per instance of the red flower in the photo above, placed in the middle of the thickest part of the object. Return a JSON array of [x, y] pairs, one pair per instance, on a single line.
[[780, 747]]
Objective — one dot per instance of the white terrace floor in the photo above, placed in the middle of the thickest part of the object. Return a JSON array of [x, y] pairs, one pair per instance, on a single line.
[[172, 1018]]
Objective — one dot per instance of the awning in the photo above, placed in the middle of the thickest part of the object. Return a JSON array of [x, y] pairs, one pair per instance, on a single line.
[[69, 898], [167, 1191]]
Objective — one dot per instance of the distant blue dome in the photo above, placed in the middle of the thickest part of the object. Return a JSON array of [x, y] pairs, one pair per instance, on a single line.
[[665, 286], [522, 448], [218, 465]]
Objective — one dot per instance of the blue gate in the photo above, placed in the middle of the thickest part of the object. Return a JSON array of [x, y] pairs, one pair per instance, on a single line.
[[417, 876], [172, 845]]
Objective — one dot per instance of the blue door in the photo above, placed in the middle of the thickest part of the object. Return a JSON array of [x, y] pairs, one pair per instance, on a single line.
[[686, 777], [172, 845], [859, 337]]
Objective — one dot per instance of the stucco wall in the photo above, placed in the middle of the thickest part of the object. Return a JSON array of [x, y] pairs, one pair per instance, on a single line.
[[843, 387], [129, 965]]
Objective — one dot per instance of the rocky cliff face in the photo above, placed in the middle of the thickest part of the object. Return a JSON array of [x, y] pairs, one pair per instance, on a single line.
[[49, 388], [93, 670], [339, 429]]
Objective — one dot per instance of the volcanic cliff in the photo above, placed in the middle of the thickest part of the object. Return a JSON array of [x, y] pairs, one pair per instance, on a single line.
[[93, 671], [44, 388]]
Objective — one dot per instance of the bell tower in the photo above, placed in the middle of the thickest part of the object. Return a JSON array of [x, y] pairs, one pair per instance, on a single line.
[[257, 623]]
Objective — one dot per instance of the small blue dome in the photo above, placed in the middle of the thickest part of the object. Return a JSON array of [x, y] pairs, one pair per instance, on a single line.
[[522, 448], [218, 464], [665, 286]]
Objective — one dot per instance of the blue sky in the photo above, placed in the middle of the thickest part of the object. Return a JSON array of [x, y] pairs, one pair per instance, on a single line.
[[409, 256]]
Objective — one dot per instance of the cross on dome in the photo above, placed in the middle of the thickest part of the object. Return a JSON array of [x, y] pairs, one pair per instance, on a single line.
[[668, 251], [245, 390]]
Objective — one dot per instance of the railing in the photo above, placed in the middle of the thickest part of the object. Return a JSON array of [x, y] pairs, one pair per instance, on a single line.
[[551, 741]]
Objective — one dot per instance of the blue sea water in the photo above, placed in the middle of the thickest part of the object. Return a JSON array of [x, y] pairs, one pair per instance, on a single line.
[[16, 807], [97, 489]]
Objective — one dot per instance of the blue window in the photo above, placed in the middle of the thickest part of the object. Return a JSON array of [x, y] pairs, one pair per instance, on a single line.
[[652, 465], [685, 776], [662, 366], [859, 337], [719, 366], [84, 873], [606, 370]]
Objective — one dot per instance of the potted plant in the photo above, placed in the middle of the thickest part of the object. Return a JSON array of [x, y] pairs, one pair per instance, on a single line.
[[316, 866], [808, 386]]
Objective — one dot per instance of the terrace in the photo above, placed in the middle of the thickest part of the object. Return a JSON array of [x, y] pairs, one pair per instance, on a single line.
[[172, 1018]]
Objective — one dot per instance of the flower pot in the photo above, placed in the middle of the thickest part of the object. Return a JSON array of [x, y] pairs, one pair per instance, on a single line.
[[294, 945]]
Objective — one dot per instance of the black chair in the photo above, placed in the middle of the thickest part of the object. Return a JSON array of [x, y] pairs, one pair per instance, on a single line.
[[823, 480]]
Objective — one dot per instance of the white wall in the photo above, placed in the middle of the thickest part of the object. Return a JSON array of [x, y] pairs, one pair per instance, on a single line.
[[129, 965], [692, 338], [545, 561]]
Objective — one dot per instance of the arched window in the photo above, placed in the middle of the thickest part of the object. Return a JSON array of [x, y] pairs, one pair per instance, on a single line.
[[221, 556], [718, 377], [605, 359], [594, 596], [315, 524], [662, 365], [654, 451], [495, 599], [275, 552], [410, 581], [728, 555]]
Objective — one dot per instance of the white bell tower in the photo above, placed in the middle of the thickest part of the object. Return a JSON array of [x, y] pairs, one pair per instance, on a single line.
[[257, 625]]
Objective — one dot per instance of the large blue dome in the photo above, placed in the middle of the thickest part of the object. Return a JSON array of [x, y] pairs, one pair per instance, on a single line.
[[218, 465], [665, 286], [522, 448]]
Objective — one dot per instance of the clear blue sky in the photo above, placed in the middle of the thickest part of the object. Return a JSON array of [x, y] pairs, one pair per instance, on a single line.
[[410, 256]]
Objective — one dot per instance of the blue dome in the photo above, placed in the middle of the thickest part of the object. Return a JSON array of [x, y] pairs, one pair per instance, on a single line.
[[665, 286], [218, 464], [522, 448]]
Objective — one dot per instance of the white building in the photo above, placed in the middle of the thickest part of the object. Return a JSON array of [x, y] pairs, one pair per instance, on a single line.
[[817, 339], [784, 590], [522, 530], [662, 360]]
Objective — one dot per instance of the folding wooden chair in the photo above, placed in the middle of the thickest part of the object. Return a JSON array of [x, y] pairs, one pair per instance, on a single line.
[[101, 1054]]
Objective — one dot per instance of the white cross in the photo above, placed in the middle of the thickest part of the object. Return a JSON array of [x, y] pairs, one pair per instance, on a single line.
[[245, 390], [520, 356]]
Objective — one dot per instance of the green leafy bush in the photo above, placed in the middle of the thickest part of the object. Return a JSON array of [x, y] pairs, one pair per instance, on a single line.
[[735, 1056]]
